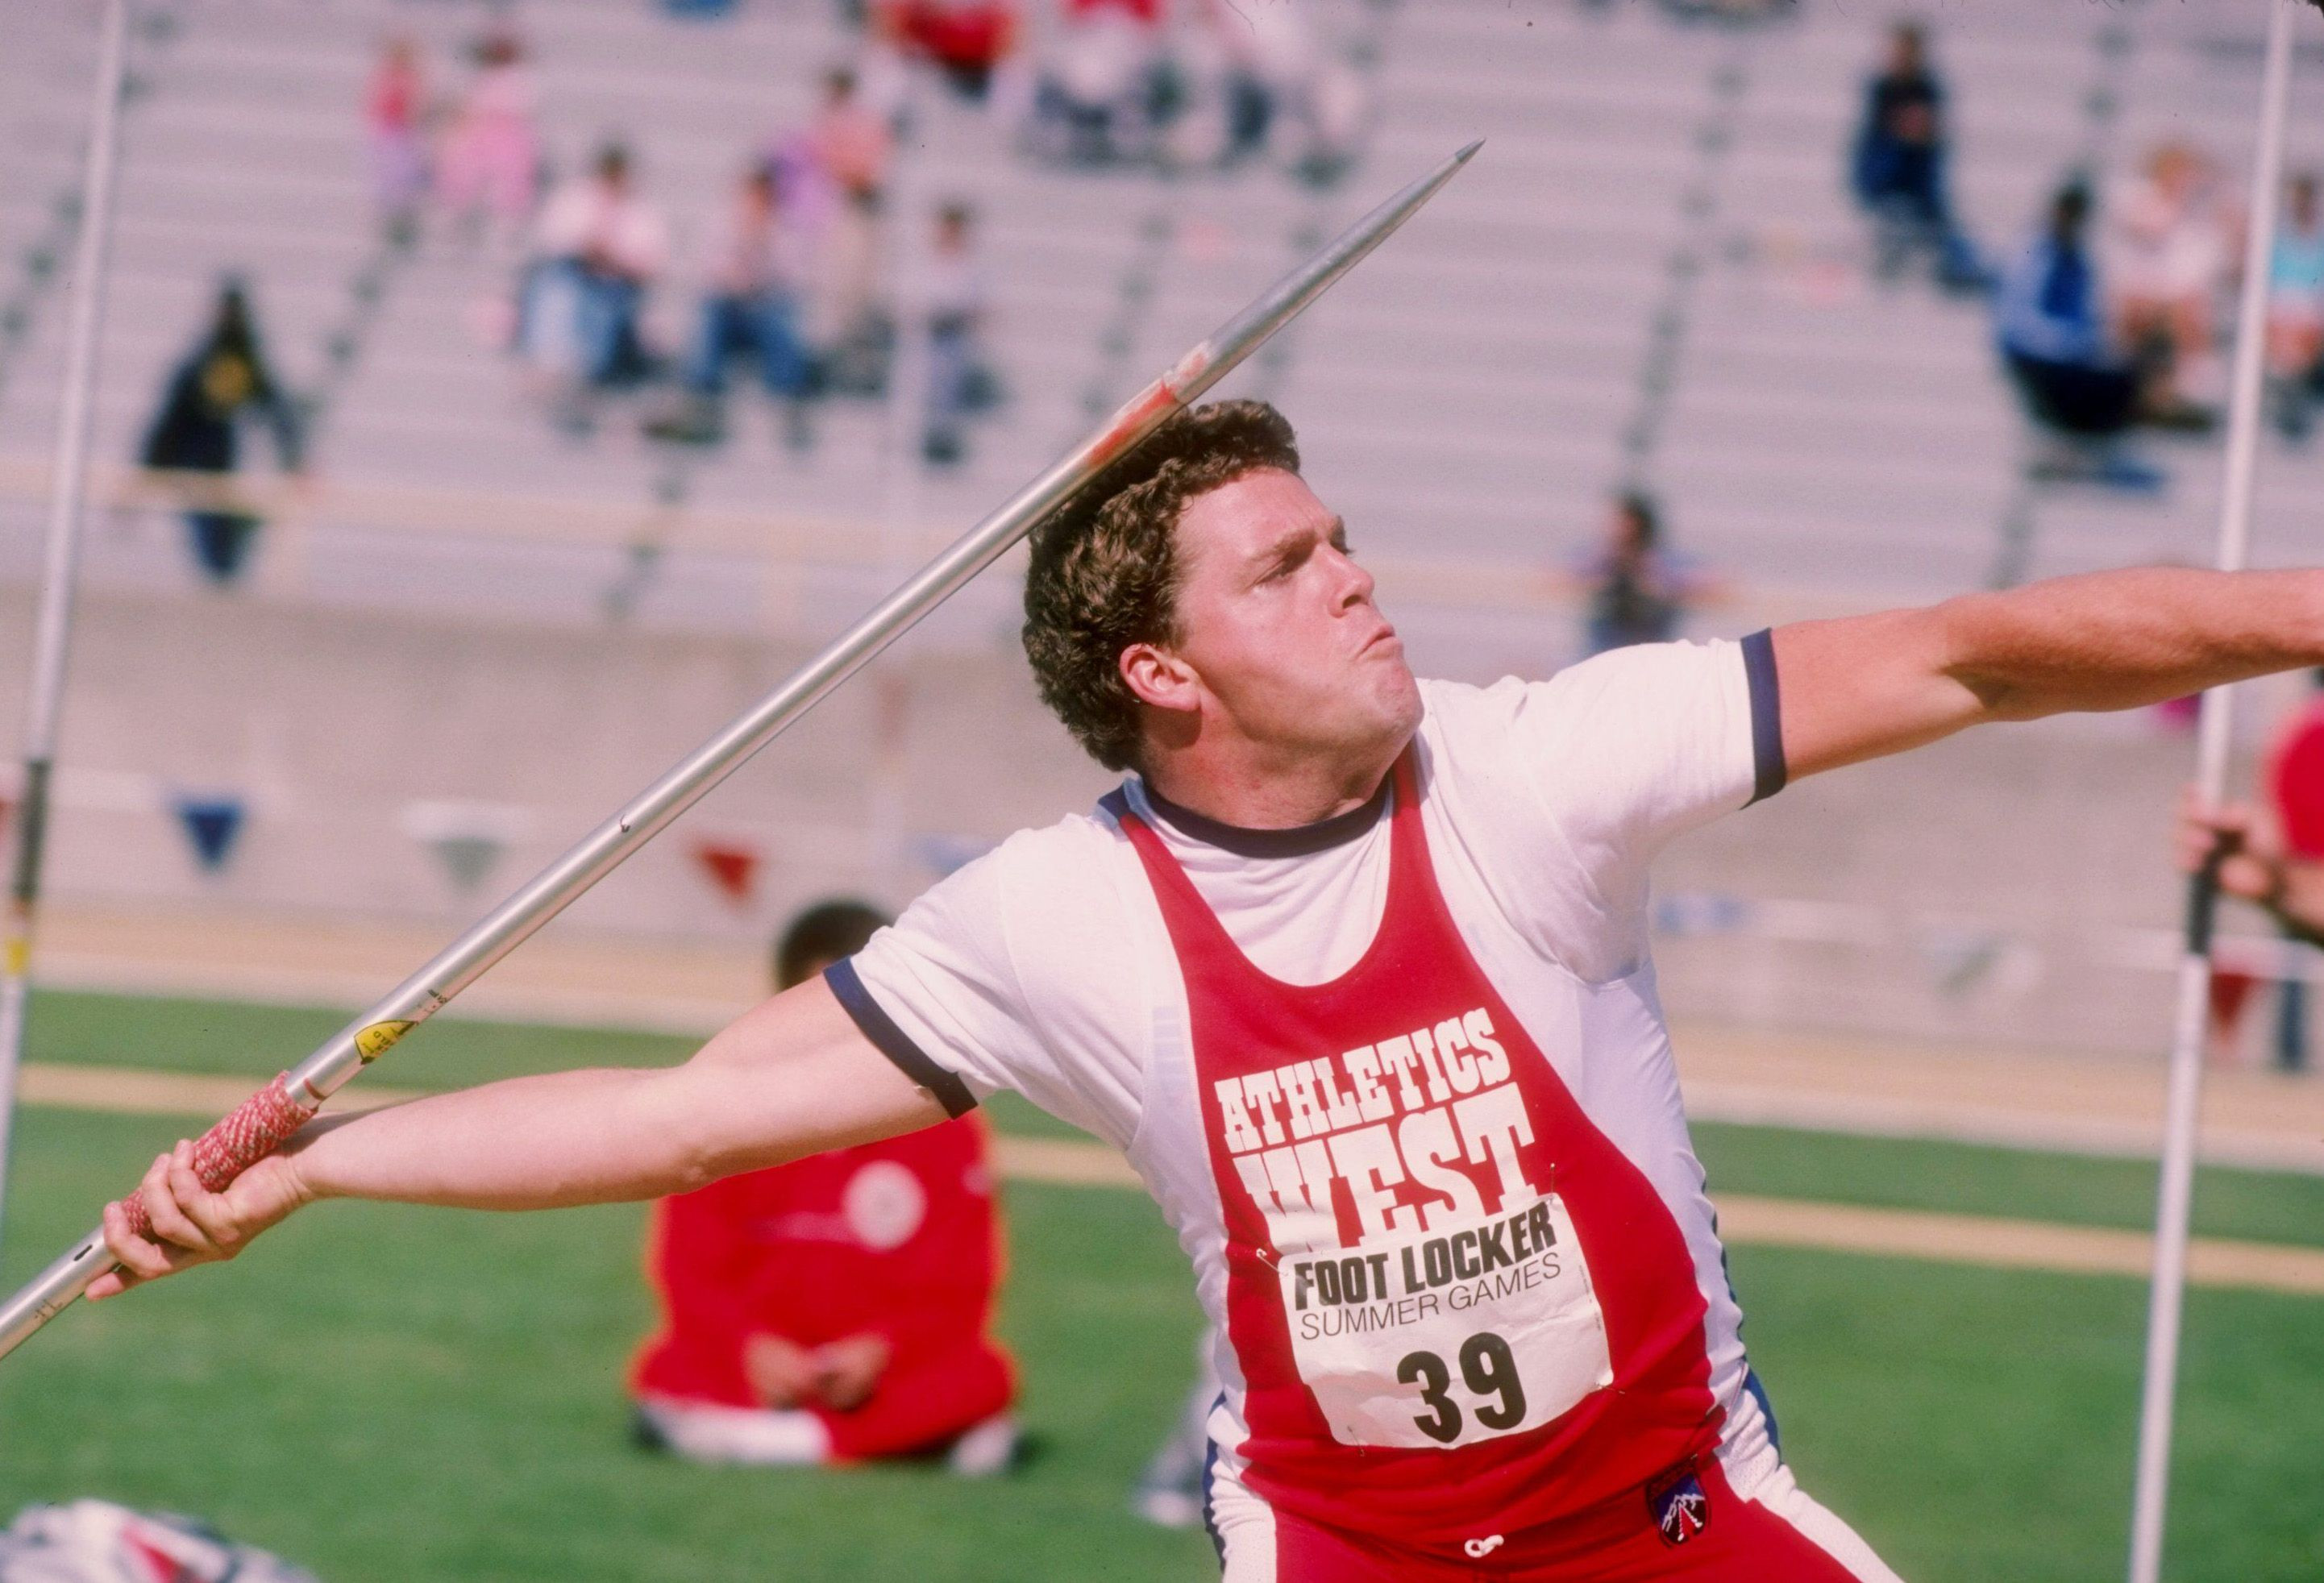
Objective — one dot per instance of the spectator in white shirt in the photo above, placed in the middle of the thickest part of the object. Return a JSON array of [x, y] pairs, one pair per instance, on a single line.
[[951, 309], [598, 247]]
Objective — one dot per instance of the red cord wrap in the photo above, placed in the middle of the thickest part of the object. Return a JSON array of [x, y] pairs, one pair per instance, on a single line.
[[257, 1126]]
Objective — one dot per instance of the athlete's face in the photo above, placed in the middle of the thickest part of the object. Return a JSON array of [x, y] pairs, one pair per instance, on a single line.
[[1281, 646]]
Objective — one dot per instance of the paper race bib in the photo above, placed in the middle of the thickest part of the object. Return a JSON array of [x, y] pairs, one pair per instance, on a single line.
[[1483, 1327]]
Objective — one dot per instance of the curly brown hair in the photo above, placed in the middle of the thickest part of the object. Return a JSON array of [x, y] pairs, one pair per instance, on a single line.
[[1105, 571]]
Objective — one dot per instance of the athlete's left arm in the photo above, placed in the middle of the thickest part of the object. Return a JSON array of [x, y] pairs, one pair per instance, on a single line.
[[1861, 686]]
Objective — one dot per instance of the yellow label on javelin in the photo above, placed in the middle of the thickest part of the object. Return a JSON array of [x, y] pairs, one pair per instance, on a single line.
[[378, 1039], [20, 955]]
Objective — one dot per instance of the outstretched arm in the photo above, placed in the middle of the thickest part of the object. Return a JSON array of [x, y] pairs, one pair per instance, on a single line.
[[1857, 689], [793, 1077]]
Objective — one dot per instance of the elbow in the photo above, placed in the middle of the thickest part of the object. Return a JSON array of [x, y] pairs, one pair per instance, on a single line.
[[1971, 657], [695, 1167]]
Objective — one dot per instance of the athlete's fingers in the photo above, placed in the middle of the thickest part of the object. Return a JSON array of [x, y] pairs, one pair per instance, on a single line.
[[197, 1206], [140, 1257], [160, 1194]]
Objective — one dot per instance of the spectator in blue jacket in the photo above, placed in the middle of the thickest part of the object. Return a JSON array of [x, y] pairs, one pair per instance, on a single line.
[[2050, 322], [1898, 168]]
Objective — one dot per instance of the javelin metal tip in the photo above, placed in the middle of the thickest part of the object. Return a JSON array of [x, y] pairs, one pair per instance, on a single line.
[[1465, 155]]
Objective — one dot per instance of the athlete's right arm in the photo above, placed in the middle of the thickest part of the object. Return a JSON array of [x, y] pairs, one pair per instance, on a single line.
[[791, 1078]]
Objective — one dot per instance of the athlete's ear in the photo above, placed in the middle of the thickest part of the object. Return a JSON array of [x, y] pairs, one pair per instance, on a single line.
[[1161, 679]]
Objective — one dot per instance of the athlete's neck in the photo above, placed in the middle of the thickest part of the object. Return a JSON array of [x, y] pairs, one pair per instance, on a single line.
[[1251, 796]]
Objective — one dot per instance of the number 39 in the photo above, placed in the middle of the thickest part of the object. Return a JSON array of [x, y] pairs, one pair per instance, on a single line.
[[1488, 1368]]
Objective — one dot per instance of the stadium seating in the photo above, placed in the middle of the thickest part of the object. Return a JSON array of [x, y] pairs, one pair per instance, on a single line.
[[1829, 442]]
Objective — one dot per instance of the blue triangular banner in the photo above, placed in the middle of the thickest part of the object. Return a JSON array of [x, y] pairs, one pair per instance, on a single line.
[[212, 822]]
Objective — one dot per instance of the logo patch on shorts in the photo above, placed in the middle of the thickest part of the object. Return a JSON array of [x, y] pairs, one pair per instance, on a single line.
[[1680, 1507]]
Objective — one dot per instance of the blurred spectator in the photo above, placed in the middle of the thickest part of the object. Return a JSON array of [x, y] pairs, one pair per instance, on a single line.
[[751, 309], [839, 164], [2295, 793], [2281, 871], [968, 41], [599, 244], [2168, 254], [222, 381], [1636, 593], [1261, 83], [850, 143], [2053, 336], [2295, 307], [394, 104], [1898, 168], [490, 162], [834, 1309], [951, 305], [1099, 96]]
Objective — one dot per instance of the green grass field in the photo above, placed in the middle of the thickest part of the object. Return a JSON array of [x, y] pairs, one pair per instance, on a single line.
[[389, 1393]]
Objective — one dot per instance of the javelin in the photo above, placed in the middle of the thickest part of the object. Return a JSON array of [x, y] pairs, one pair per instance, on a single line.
[[264, 1121], [2175, 1190], [67, 492]]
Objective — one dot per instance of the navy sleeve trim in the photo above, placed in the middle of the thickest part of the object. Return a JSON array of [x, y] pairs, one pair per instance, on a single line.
[[894, 1043], [1768, 770]]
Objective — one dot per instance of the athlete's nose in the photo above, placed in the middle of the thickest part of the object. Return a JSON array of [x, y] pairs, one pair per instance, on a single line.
[[1356, 587]]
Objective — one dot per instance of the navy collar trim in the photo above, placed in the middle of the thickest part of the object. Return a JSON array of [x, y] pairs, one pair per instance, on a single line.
[[1298, 841]]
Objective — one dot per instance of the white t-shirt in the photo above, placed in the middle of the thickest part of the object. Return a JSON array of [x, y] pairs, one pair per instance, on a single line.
[[1047, 966], [1044, 966]]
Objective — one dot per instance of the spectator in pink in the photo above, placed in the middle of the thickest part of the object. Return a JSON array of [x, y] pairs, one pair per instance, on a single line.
[[490, 162], [394, 106], [841, 162]]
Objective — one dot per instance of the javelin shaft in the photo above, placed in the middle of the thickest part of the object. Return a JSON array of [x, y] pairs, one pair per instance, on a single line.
[[270, 1115], [61, 568], [2175, 1188]]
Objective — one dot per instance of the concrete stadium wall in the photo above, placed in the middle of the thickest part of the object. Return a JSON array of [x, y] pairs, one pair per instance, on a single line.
[[2008, 887]]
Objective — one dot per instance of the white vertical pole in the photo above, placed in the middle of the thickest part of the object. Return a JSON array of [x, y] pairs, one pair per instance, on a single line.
[[67, 490], [2175, 1194]]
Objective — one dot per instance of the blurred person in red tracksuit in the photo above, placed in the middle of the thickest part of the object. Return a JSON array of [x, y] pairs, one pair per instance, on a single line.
[[834, 1309], [2280, 870]]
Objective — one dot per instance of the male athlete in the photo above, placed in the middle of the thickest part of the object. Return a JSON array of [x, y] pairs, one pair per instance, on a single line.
[[1354, 969]]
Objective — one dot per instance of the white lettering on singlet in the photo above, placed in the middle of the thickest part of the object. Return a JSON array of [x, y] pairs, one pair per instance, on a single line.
[[1405, 1123]]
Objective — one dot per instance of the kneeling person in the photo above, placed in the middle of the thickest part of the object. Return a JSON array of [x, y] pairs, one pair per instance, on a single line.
[[834, 1309]]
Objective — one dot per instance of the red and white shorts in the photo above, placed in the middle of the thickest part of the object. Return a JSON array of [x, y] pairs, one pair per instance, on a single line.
[[1693, 1525]]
